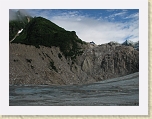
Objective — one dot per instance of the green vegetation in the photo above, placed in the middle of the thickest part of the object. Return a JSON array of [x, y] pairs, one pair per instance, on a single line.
[[52, 66], [59, 55], [29, 60], [19, 23], [32, 67], [40, 31], [48, 56], [14, 26], [15, 60]]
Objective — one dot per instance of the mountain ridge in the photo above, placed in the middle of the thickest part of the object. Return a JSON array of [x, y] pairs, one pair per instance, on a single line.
[[132, 44]]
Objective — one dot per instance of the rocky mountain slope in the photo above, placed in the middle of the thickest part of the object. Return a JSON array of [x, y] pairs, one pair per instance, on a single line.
[[45, 53], [44, 65]]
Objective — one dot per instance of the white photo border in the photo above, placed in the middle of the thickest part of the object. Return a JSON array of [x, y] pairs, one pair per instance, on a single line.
[[142, 109]]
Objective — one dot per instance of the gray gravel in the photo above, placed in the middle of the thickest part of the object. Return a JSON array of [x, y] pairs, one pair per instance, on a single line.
[[122, 91]]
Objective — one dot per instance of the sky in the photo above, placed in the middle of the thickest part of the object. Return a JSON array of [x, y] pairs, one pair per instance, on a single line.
[[97, 25]]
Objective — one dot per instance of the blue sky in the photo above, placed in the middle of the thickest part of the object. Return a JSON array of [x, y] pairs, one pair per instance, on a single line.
[[98, 25]]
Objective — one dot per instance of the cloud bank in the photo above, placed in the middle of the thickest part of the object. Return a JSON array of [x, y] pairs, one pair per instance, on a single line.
[[13, 15]]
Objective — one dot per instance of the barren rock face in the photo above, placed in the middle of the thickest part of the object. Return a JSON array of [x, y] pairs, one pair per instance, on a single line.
[[122, 61], [38, 66], [109, 61]]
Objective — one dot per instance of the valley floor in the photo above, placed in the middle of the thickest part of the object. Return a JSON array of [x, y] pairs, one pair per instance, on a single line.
[[122, 91]]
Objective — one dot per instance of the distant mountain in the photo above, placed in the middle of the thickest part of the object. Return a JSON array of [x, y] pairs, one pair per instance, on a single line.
[[136, 45], [128, 43], [131, 43]]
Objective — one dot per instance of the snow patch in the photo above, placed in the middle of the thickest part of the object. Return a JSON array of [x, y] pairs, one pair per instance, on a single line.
[[20, 31]]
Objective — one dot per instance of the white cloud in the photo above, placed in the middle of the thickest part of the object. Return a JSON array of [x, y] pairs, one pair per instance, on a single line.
[[117, 14], [136, 15], [89, 29]]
